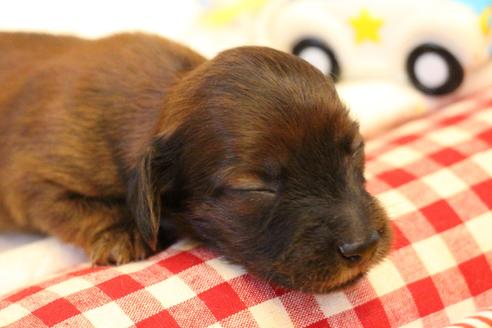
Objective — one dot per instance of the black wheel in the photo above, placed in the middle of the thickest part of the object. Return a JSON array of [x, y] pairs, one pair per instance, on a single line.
[[434, 70], [320, 55]]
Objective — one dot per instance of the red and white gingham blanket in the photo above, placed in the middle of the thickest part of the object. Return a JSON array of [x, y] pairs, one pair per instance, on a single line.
[[482, 319], [434, 176]]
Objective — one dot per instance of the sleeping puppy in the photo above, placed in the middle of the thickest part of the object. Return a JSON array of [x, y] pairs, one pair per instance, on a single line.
[[124, 144]]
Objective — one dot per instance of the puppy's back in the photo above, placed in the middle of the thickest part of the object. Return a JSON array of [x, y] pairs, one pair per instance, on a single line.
[[76, 86], [75, 112], [22, 52]]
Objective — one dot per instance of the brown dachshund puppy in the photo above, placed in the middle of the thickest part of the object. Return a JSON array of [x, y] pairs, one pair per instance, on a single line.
[[124, 144]]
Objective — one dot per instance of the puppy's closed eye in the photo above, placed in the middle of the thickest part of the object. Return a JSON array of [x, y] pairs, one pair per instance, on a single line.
[[249, 184], [264, 190]]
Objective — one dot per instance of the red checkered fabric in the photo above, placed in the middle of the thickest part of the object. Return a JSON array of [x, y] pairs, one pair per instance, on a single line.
[[434, 176], [482, 319]]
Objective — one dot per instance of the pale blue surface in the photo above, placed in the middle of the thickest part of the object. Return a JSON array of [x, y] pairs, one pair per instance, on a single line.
[[477, 5]]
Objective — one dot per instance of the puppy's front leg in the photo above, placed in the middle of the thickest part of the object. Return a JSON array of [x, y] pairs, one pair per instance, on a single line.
[[103, 227]]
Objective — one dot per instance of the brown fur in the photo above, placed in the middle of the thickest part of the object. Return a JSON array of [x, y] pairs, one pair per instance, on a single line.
[[123, 144]]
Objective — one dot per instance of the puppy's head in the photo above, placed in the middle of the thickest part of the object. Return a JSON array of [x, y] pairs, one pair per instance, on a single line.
[[257, 157]]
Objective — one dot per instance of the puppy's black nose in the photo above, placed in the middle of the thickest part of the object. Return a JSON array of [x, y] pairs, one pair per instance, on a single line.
[[354, 252]]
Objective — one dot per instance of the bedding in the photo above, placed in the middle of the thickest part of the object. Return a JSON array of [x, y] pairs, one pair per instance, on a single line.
[[482, 319], [434, 175]]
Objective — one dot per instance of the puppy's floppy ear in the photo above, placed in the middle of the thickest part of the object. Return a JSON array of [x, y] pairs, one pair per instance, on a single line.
[[153, 175]]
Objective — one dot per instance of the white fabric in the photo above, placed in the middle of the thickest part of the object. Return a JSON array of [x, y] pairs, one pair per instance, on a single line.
[[26, 259]]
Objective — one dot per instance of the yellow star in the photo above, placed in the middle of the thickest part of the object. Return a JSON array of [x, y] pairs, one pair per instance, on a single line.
[[486, 20], [366, 27], [227, 13]]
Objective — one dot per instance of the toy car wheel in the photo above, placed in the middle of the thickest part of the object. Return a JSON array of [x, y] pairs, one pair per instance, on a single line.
[[434, 70], [318, 54]]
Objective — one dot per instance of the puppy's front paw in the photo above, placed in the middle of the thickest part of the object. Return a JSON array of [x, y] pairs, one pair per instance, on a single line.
[[118, 245]]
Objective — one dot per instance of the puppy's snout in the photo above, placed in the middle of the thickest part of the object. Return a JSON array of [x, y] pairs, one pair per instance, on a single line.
[[356, 251]]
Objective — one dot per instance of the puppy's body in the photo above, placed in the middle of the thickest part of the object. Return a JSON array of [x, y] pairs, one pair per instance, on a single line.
[[75, 116], [107, 143]]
